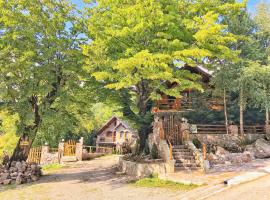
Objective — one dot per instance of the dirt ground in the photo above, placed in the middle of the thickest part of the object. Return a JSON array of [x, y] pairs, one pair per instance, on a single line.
[[97, 180], [94, 179]]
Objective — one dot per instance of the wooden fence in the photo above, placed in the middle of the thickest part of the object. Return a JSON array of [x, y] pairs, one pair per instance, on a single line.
[[34, 155], [221, 129], [94, 149]]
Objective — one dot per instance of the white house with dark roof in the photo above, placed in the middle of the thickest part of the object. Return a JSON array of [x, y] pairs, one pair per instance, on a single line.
[[115, 132]]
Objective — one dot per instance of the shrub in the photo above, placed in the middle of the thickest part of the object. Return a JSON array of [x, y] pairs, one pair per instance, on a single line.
[[197, 143]]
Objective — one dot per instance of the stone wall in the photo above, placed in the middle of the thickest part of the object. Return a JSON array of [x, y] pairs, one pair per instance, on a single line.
[[47, 157], [227, 141], [140, 170]]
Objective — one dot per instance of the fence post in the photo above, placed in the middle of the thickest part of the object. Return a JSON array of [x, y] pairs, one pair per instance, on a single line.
[[61, 150], [204, 150], [79, 149], [44, 154]]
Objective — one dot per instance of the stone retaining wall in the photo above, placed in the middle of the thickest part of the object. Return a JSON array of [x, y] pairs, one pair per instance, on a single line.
[[140, 170], [227, 141]]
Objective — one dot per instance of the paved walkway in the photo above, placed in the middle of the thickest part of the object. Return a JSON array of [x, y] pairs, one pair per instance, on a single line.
[[255, 190]]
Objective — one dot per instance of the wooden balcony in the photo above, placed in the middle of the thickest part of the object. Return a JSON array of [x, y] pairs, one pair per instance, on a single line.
[[186, 104], [172, 105]]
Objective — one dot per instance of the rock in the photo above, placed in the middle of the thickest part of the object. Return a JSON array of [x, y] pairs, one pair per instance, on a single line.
[[4, 176], [7, 182], [13, 164], [18, 180], [34, 177], [221, 151], [259, 149], [18, 165]]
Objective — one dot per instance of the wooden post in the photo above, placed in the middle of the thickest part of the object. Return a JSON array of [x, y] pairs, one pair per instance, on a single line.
[[225, 111], [204, 151], [266, 116]]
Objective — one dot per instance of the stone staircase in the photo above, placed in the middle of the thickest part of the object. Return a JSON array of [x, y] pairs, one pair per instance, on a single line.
[[184, 158]]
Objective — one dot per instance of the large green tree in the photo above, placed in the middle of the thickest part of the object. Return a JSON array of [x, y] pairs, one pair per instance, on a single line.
[[41, 78], [138, 47]]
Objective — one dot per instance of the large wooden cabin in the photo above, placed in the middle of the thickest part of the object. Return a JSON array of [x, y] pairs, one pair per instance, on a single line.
[[186, 101]]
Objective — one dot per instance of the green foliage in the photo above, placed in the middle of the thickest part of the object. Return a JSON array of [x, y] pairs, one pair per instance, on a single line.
[[8, 138], [197, 143], [138, 48], [41, 76], [256, 79]]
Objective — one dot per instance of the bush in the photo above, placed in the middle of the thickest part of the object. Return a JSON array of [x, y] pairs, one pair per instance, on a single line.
[[197, 143], [154, 152]]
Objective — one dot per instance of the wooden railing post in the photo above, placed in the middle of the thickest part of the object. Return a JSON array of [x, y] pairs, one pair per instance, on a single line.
[[204, 150]]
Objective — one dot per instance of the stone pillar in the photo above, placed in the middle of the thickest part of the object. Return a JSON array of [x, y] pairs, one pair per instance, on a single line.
[[79, 149], [61, 151], [233, 129], [267, 131], [44, 154]]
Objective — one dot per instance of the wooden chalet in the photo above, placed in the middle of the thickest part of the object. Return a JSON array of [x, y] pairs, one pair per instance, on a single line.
[[186, 101], [114, 132]]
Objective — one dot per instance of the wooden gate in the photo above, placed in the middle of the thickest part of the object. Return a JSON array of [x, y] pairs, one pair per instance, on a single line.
[[70, 148], [34, 155], [172, 128]]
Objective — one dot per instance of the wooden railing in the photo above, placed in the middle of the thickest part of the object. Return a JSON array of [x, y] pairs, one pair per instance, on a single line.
[[211, 129], [255, 129], [221, 129], [95, 149]]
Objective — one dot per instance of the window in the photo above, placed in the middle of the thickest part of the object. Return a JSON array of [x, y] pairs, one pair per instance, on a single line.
[[109, 134], [121, 134]]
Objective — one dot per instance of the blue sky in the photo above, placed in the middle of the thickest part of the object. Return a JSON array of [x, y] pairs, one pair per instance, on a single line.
[[251, 3]]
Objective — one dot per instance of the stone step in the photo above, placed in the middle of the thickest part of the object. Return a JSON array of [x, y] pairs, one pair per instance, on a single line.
[[185, 157], [186, 168], [186, 165], [182, 153], [181, 150], [180, 147], [185, 161]]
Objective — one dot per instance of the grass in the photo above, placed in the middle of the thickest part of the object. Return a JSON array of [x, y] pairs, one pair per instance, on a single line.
[[155, 182], [52, 167]]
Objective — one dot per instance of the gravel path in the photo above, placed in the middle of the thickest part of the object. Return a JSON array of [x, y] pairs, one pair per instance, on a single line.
[[94, 179]]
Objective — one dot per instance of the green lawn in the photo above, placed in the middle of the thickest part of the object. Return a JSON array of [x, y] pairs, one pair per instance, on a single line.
[[51, 167], [155, 182]]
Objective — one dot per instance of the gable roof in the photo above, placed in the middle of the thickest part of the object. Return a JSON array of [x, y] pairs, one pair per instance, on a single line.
[[107, 124], [112, 120]]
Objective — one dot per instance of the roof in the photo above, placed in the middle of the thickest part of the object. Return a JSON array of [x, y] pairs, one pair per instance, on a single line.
[[112, 120]]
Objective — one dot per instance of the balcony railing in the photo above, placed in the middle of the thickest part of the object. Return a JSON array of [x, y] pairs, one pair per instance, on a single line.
[[186, 104]]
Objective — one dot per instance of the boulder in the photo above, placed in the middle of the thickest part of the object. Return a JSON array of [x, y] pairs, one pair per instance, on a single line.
[[259, 149], [4, 176], [7, 182], [19, 180], [221, 151]]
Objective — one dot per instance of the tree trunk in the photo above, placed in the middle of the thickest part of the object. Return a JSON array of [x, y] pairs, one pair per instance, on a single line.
[[144, 112], [21, 152], [266, 116], [241, 117], [225, 111]]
